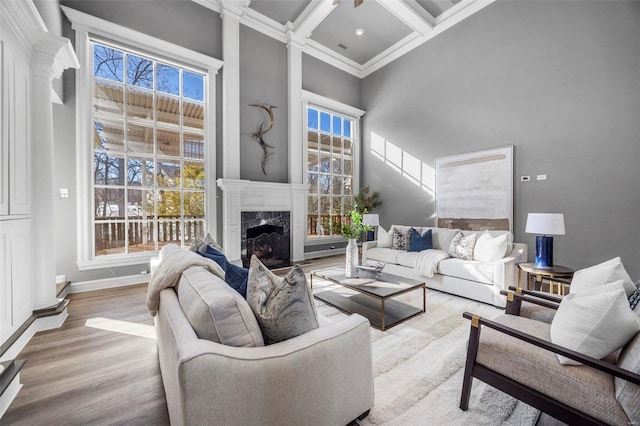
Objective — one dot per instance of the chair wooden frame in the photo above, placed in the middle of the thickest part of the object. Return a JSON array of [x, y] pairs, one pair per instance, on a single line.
[[522, 392]]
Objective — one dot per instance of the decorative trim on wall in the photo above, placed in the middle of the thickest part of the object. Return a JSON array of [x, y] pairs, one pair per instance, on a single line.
[[105, 283], [424, 28], [243, 195], [84, 25]]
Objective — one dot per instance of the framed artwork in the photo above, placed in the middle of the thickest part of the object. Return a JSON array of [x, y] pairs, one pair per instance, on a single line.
[[475, 191]]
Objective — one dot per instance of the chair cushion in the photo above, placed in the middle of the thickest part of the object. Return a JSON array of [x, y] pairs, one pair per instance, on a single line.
[[283, 306], [628, 394], [594, 323], [605, 272], [472, 270], [382, 254], [217, 312], [586, 389]]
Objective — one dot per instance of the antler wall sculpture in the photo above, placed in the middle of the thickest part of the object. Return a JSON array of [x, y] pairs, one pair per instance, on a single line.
[[258, 135]]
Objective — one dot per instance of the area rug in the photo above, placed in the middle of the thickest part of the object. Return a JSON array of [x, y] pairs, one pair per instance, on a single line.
[[418, 367]]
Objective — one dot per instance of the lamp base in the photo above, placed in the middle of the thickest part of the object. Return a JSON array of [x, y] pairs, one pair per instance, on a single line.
[[544, 250]]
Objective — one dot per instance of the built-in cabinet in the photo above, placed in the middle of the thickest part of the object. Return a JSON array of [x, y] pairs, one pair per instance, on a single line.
[[16, 298], [15, 275]]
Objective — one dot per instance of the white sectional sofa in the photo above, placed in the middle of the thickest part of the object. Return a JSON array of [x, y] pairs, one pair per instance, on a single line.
[[472, 279]]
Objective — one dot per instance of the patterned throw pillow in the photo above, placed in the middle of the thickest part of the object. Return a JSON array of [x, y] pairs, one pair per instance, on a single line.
[[634, 299], [283, 306], [462, 247], [200, 246], [401, 240]]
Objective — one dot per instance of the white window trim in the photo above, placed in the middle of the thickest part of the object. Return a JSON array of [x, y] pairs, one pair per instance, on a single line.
[[84, 25], [310, 99]]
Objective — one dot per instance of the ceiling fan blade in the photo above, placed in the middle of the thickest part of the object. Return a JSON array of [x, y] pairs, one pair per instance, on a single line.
[[357, 3], [336, 2]]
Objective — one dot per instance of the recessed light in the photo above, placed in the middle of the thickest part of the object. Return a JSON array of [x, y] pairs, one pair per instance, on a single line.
[[359, 31]]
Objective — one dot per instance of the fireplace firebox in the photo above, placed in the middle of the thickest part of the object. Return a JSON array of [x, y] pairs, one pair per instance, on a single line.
[[267, 235]]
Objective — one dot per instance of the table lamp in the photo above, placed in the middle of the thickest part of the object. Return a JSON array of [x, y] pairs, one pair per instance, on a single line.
[[372, 220], [546, 224]]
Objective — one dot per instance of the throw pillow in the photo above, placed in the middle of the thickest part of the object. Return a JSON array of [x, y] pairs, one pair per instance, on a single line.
[[199, 245], [385, 239], [401, 240], [283, 306], [235, 276], [595, 324], [420, 242], [215, 311], [462, 247], [489, 249], [605, 272]]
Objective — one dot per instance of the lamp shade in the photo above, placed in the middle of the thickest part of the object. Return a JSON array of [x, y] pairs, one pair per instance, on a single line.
[[545, 224], [370, 219]]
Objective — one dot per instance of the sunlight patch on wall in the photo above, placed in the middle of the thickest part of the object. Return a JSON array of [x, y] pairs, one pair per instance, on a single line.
[[409, 166], [124, 327]]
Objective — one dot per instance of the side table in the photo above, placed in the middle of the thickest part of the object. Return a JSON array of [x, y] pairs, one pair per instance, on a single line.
[[538, 274]]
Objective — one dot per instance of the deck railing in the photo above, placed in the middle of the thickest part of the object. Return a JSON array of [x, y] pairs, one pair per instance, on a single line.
[[111, 234]]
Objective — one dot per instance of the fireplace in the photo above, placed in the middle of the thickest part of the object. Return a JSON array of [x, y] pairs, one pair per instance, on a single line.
[[267, 235]]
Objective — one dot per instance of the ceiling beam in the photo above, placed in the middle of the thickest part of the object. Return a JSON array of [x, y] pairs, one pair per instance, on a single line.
[[407, 15], [310, 18]]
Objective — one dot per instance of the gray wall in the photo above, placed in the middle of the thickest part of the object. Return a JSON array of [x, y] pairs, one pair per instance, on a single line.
[[326, 80], [263, 80], [180, 22], [559, 81]]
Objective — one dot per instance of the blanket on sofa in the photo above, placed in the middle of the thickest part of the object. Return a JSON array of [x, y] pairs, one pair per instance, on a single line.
[[173, 261], [427, 262]]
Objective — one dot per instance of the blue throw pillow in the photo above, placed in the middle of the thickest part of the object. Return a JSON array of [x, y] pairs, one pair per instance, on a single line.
[[235, 276], [421, 242]]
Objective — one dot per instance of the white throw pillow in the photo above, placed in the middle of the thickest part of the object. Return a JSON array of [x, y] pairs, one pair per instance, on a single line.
[[594, 324], [605, 272], [489, 249], [385, 239]]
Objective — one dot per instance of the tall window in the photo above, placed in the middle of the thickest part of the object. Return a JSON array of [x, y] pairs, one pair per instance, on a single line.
[[148, 152], [330, 165]]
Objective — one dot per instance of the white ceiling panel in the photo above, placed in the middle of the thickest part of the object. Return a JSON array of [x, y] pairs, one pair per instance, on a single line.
[[281, 11], [381, 30]]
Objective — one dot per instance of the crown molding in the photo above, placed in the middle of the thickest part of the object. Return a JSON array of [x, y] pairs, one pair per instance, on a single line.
[[424, 27], [318, 51], [25, 21], [52, 55], [93, 25]]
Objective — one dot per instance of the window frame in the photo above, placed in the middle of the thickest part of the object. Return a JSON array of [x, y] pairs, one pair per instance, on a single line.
[[87, 28], [313, 100]]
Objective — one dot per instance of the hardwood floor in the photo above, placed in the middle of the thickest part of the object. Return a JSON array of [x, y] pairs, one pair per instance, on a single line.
[[101, 367]]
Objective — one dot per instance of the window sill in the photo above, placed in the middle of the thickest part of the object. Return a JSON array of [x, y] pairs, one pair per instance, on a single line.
[[113, 261]]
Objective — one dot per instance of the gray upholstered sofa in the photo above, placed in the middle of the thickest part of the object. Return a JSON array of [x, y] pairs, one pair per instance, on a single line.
[[467, 278], [323, 377]]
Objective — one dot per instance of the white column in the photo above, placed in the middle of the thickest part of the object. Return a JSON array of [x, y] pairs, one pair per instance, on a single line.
[[298, 220], [294, 98], [51, 56], [231, 13], [231, 217]]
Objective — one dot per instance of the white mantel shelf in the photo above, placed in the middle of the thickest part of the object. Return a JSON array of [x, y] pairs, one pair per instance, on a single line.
[[250, 196]]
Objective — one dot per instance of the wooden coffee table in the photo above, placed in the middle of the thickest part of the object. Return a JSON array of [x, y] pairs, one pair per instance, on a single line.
[[373, 297]]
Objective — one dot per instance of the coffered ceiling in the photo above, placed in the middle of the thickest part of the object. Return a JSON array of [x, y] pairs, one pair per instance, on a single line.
[[358, 40]]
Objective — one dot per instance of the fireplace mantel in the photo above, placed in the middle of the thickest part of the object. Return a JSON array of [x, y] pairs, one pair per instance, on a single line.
[[244, 195]]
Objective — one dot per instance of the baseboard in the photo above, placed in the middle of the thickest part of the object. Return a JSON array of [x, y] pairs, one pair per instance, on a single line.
[[324, 253], [106, 283], [38, 324], [9, 394]]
